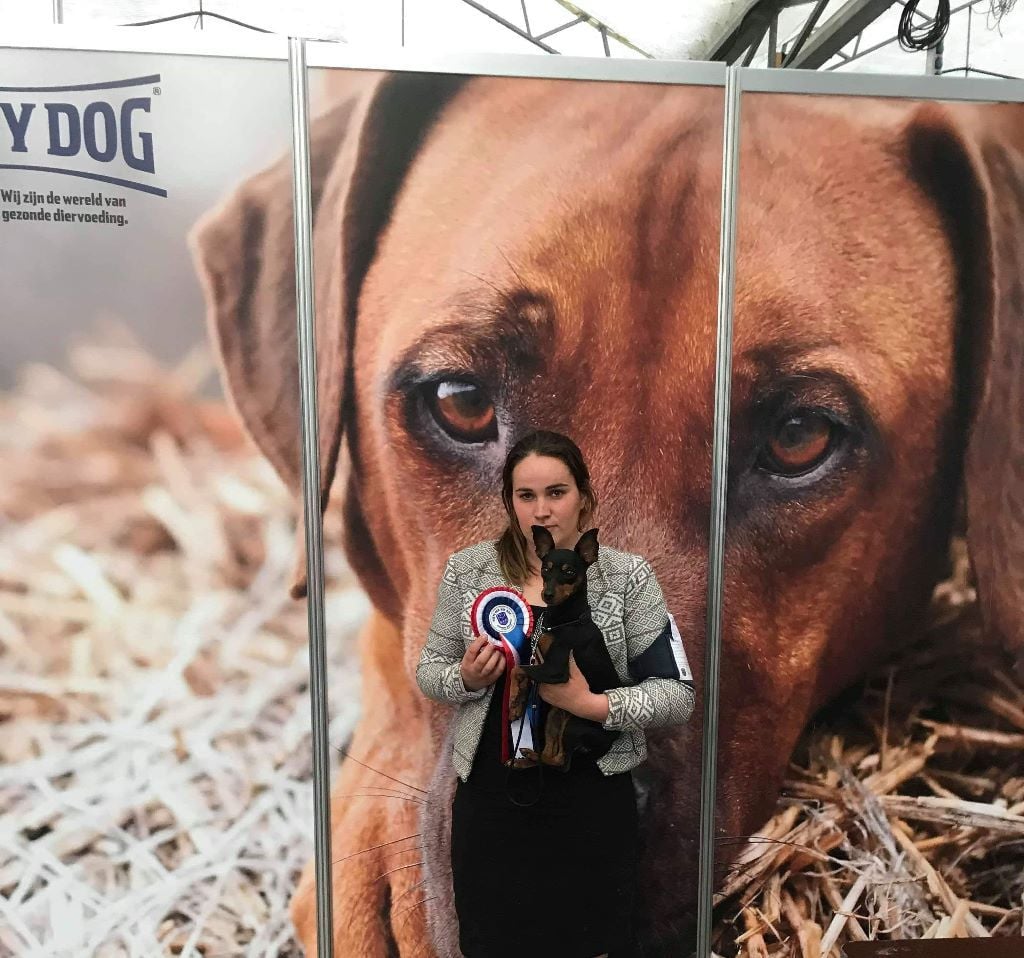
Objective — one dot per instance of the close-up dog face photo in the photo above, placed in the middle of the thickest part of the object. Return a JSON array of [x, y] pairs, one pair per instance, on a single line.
[[496, 254]]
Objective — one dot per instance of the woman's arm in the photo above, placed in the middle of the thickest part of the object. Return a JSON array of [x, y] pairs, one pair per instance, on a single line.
[[438, 674], [664, 693]]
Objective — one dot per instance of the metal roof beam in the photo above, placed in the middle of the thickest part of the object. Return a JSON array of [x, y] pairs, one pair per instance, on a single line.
[[747, 28], [844, 26]]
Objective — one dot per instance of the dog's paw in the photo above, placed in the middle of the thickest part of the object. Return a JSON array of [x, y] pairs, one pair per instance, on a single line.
[[529, 759]]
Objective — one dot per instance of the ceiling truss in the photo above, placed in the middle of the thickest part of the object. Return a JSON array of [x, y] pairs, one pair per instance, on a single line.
[[831, 43]]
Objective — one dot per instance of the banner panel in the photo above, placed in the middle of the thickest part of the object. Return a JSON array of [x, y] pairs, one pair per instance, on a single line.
[[870, 733], [495, 256], [154, 713]]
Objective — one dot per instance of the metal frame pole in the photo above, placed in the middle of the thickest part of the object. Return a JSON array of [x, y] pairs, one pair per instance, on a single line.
[[311, 492], [719, 490]]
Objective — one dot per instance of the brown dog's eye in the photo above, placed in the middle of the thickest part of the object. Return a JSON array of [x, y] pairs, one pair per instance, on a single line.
[[463, 410], [799, 443]]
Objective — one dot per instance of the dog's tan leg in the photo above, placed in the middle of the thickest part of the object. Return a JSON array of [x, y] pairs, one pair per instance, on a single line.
[[375, 830], [554, 744], [517, 697]]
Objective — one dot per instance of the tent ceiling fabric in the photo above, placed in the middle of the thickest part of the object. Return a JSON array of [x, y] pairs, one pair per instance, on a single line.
[[666, 29]]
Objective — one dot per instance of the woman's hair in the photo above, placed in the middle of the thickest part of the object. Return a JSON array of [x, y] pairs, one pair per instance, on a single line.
[[513, 548]]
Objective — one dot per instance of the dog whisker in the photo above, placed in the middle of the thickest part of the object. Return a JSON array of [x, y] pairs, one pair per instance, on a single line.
[[373, 848], [402, 851], [409, 912], [412, 907], [509, 301], [398, 869], [376, 771], [734, 867], [387, 794], [508, 263], [757, 840], [409, 890]]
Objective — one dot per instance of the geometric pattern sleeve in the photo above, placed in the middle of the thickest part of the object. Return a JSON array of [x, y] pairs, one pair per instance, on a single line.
[[653, 647], [438, 674]]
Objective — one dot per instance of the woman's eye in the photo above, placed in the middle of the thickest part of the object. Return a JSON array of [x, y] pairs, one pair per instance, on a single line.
[[799, 443], [463, 410]]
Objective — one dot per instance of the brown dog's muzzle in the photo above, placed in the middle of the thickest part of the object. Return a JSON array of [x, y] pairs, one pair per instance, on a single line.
[[442, 922]]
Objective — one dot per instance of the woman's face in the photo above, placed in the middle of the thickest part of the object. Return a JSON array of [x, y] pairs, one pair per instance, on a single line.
[[544, 493]]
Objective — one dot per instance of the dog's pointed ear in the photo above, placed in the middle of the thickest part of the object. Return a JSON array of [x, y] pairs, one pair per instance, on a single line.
[[587, 547], [972, 160], [543, 541], [244, 252]]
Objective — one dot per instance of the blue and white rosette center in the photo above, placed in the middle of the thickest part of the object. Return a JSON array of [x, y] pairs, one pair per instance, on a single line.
[[505, 618]]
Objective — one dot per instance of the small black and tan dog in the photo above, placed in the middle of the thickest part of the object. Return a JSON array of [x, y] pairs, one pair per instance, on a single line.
[[568, 628]]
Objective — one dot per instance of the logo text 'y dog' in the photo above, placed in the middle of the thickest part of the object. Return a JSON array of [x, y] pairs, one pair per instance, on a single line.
[[70, 130]]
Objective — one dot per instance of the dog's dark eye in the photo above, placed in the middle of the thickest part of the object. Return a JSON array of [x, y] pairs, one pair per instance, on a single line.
[[799, 443], [462, 409]]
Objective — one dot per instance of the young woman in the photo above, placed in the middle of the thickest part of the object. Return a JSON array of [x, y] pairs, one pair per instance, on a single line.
[[543, 860]]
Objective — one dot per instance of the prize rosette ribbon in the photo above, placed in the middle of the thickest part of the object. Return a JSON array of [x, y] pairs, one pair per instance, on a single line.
[[506, 619]]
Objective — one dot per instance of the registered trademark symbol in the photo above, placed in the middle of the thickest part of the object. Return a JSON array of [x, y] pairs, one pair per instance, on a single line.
[[156, 91]]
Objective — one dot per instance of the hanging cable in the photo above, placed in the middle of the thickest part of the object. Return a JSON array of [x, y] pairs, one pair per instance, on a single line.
[[997, 10], [924, 37]]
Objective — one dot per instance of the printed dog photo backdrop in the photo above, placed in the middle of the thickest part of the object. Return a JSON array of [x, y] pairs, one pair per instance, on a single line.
[[491, 255], [546, 253], [497, 254], [875, 547], [154, 715]]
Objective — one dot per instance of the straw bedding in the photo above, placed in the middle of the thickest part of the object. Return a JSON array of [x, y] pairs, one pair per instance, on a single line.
[[155, 762], [903, 814]]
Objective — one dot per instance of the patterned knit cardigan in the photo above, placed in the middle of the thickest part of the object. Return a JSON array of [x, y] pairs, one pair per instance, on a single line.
[[626, 604]]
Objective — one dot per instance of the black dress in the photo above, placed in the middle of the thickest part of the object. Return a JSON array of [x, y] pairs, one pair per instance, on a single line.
[[543, 861]]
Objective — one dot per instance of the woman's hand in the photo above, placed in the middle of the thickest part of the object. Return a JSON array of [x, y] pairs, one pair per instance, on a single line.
[[575, 696], [482, 664]]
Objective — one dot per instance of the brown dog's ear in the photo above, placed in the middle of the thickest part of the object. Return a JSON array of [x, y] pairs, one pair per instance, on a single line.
[[245, 256], [543, 541], [972, 159], [244, 252], [587, 547]]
